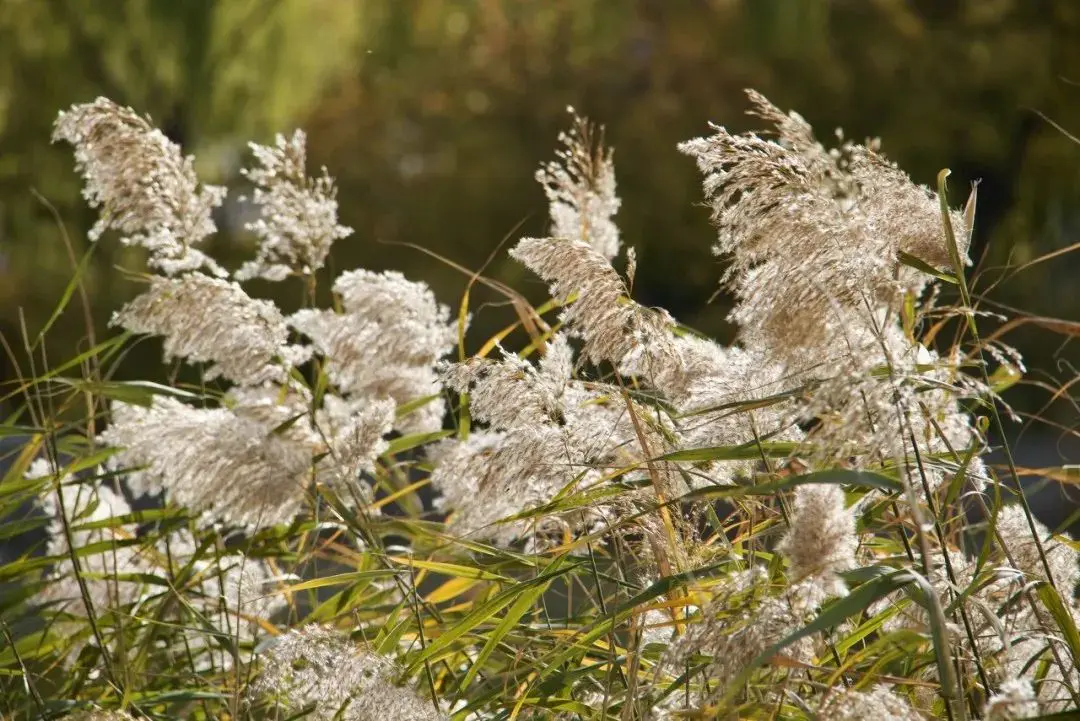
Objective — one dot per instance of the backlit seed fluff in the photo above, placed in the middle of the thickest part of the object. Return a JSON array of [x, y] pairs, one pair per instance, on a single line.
[[320, 667], [384, 343], [546, 430], [83, 504], [212, 460], [99, 715], [723, 395], [146, 189], [821, 540], [735, 627], [1062, 558], [353, 435], [813, 234], [511, 391], [611, 323], [298, 219], [211, 320], [346, 435], [879, 703], [1015, 699], [580, 188]]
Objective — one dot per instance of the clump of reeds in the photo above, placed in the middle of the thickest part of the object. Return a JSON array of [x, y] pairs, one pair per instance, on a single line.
[[577, 561]]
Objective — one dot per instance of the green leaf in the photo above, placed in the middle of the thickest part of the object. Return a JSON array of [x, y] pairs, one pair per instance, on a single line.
[[90, 461], [140, 393], [6, 431], [1063, 617], [482, 614], [405, 443], [11, 528], [921, 265], [450, 569], [1005, 377], [862, 479], [406, 408], [152, 697], [286, 424], [744, 452], [523, 603], [69, 290], [340, 578], [607, 624]]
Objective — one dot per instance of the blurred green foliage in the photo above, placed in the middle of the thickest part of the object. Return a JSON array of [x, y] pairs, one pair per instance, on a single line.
[[433, 115]]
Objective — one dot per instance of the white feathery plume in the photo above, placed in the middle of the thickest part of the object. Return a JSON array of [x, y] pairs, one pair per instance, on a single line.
[[610, 322], [821, 540], [1009, 642], [145, 187], [349, 434], [580, 188], [213, 460], [813, 235], [1030, 634], [249, 463], [875, 396], [739, 623], [354, 435], [1029, 648], [298, 214], [512, 391], [206, 319], [492, 476], [694, 374], [84, 504], [816, 240], [1014, 700], [1062, 558], [879, 703], [657, 627], [723, 396], [385, 343], [547, 431], [318, 666], [471, 478]]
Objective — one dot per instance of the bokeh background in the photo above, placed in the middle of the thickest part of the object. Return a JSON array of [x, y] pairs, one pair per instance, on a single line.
[[434, 114]]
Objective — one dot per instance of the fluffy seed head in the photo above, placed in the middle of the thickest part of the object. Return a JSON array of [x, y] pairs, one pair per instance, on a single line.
[[206, 319], [547, 431], [213, 460], [385, 343], [1015, 699], [320, 666], [879, 703], [580, 188], [738, 624], [821, 540], [813, 235], [146, 189], [1063, 560], [611, 324], [298, 214], [248, 464]]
